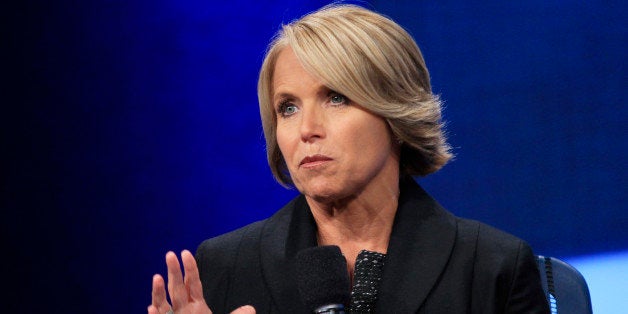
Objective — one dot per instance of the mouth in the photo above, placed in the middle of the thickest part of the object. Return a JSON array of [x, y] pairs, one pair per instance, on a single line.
[[313, 161]]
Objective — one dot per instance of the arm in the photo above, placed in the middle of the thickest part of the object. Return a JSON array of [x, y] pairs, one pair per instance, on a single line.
[[186, 293], [526, 293]]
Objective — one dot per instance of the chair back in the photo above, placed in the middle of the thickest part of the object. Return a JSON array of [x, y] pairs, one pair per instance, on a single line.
[[565, 287]]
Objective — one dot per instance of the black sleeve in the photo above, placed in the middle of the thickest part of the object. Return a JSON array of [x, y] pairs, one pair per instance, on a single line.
[[526, 293], [507, 279]]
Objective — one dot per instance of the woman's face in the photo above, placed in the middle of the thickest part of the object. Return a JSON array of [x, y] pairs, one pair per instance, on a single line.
[[333, 148]]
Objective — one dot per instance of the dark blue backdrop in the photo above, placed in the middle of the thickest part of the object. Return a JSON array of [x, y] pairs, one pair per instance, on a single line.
[[131, 127]]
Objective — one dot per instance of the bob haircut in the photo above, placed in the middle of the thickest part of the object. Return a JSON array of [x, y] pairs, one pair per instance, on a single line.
[[375, 63]]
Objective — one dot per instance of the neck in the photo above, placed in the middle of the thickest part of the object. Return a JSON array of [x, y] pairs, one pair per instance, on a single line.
[[363, 222]]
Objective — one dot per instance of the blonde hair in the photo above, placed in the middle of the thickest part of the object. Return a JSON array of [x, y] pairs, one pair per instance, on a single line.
[[375, 63]]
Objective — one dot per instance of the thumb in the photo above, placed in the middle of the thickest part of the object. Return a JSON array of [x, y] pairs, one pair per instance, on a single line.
[[247, 309]]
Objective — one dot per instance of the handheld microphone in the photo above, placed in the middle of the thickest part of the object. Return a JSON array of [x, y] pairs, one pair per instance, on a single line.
[[323, 280]]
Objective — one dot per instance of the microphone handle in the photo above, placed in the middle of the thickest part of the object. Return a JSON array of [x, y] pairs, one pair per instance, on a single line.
[[330, 309]]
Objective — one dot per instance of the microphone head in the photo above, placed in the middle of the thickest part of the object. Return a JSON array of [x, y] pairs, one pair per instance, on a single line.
[[322, 276]]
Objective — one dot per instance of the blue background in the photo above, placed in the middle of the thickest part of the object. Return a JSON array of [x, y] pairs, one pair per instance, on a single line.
[[130, 128]]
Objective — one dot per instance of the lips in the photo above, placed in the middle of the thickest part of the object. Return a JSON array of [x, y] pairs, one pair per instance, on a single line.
[[315, 160]]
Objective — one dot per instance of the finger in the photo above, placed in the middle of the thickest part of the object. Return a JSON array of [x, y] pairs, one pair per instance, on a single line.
[[152, 309], [192, 279], [176, 287], [247, 309], [159, 302]]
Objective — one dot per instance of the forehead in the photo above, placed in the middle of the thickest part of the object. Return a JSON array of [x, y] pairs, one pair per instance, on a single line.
[[290, 76], [286, 59]]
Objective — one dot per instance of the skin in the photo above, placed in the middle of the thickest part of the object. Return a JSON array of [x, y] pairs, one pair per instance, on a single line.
[[340, 156]]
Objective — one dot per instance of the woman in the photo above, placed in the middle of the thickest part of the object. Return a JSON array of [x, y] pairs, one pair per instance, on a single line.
[[349, 118]]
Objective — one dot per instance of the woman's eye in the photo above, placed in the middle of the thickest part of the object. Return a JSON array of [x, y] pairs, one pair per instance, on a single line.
[[338, 99], [287, 109]]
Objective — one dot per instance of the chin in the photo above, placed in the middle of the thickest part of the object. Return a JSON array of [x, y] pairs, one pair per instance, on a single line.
[[324, 192]]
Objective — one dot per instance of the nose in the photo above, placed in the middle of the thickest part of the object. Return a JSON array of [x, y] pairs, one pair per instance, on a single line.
[[312, 123]]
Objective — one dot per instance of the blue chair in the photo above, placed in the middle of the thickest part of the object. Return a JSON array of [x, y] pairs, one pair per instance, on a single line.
[[565, 287]]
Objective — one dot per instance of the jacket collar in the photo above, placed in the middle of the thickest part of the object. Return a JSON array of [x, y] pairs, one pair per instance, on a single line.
[[287, 232], [420, 244]]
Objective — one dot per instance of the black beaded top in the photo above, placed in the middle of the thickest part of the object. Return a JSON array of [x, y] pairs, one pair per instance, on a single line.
[[367, 276]]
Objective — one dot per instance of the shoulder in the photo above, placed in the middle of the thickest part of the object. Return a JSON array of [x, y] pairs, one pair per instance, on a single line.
[[505, 272], [217, 259], [487, 236], [217, 256], [490, 243], [230, 266], [228, 243], [222, 251]]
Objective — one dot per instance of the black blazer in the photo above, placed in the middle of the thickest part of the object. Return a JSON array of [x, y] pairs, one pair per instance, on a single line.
[[436, 263]]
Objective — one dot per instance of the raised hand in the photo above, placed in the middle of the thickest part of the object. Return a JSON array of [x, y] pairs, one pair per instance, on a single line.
[[186, 293]]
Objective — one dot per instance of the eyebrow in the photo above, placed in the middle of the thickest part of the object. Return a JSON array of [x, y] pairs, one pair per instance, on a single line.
[[323, 90], [282, 96]]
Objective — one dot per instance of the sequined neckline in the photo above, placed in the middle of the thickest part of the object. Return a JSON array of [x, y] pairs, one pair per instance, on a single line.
[[367, 276]]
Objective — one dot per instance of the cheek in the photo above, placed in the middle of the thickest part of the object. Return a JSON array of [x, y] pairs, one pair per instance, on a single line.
[[373, 133], [374, 141], [379, 150], [283, 143]]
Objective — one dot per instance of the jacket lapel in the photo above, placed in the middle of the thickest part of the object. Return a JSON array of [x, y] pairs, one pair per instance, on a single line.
[[420, 245], [288, 231]]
